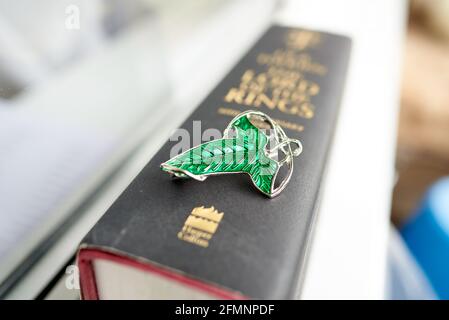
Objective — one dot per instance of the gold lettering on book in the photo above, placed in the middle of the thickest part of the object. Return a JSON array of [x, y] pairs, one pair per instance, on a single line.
[[302, 39], [293, 61], [286, 79], [277, 88], [200, 226]]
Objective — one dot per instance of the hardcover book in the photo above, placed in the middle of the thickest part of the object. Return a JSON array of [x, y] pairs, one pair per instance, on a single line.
[[221, 238]]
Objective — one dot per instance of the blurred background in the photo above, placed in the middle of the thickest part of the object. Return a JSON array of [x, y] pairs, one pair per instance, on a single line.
[[420, 207], [86, 85]]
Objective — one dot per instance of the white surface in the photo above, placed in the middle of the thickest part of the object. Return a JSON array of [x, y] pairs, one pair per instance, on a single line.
[[349, 249]]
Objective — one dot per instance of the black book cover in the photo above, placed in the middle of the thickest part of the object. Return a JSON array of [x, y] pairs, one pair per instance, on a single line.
[[222, 236]]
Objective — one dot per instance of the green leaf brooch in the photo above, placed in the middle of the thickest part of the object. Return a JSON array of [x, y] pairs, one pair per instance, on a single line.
[[253, 144]]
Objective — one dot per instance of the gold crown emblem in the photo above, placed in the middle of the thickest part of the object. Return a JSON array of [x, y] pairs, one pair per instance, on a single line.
[[200, 225], [208, 213], [302, 39]]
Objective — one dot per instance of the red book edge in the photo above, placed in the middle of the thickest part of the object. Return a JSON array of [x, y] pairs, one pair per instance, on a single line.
[[88, 284]]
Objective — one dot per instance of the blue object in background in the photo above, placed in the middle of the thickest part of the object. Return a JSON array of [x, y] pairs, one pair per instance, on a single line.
[[427, 236]]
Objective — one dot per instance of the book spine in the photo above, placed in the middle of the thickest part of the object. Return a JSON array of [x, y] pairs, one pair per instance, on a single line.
[[222, 233]]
